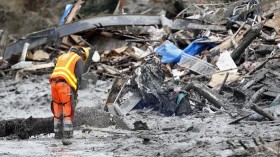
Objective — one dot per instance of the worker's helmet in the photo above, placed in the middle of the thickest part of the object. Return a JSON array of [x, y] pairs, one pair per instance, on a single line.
[[81, 51]]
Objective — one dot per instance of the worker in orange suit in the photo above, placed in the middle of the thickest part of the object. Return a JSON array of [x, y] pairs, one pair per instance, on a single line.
[[65, 81]]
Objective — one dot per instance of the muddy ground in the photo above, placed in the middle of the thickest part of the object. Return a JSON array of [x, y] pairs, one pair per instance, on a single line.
[[200, 134]]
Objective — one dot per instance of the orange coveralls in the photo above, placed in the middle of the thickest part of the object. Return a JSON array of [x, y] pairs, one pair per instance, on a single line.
[[64, 84]]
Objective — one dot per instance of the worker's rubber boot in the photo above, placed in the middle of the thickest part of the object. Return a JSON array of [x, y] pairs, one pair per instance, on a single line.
[[68, 134], [58, 130], [58, 135], [68, 129]]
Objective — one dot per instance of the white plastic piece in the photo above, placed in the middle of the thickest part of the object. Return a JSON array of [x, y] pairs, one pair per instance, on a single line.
[[96, 57]]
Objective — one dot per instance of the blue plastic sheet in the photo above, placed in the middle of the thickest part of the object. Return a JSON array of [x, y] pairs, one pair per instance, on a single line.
[[66, 12], [169, 52], [195, 48]]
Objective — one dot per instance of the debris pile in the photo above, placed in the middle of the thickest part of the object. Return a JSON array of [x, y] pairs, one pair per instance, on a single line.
[[214, 58]]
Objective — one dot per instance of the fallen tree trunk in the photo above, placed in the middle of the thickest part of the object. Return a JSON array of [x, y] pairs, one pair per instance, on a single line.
[[25, 128]]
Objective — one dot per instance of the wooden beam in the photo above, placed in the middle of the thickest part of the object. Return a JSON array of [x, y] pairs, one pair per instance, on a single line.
[[253, 33], [74, 11], [262, 112], [3, 41]]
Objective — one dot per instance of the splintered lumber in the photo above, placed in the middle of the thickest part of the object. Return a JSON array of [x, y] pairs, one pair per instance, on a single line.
[[274, 22], [262, 64], [222, 85], [262, 112], [77, 40], [3, 41], [239, 119], [257, 78], [206, 93], [132, 54], [25, 128], [74, 11], [228, 42], [252, 34], [257, 95], [110, 69], [117, 87]]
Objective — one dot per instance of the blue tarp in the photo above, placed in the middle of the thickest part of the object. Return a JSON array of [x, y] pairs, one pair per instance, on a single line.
[[171, 54], [195, 48], [66, 12]]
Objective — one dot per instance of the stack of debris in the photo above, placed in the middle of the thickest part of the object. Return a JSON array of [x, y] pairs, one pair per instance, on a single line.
[[220, 57]]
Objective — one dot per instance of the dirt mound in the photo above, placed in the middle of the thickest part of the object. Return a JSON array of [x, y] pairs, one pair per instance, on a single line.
[[26, 16]]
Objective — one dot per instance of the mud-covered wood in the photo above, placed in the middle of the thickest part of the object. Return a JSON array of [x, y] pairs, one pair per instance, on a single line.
[[206, 93], [252, 34], [262, 112], [25, 128], [114, 91]]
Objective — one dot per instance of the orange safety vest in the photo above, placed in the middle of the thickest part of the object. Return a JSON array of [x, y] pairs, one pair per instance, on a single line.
[[65, 68]]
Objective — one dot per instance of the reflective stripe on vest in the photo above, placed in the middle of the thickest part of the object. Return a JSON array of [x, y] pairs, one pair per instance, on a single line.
[[66, 69]]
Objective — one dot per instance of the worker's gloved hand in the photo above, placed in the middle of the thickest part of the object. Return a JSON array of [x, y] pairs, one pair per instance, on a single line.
[[75, 96], [75, 99], [75, 103]]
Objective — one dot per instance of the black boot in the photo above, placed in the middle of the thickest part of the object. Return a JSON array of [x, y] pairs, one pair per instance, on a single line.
[[58, 135], [68, 134]]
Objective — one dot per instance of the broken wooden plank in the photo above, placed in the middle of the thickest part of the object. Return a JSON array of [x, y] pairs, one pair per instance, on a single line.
[[228, 42], [274, 22], [217, 78], [77, 40], [3, 41], [72, 14], [110, 69], [257, 95], [39, 55], [117, 86], [262, 112], [259, 77], [74, 11], [206, 93], [262, 64], [132, 54], [239, 119], [252, 34], [39, 66]]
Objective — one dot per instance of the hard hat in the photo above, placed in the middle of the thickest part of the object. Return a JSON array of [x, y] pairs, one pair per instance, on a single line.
[[81, 51], [85, 52]]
